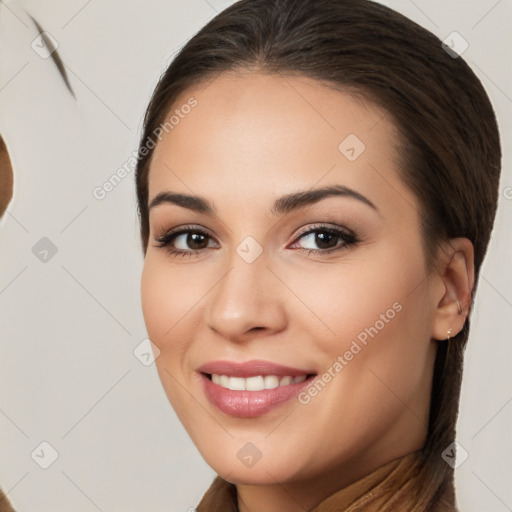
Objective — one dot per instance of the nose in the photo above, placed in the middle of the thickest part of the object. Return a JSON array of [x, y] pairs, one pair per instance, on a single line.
[[248, 302]]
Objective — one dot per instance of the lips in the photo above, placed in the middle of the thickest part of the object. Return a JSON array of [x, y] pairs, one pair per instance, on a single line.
[[252, 388], [251, 369]]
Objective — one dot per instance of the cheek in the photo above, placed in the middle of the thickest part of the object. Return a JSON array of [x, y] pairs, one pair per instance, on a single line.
[[337, 303], [170, 305], [380, 330], [168, 297], [378, 324], [372, 313], [157, 302]]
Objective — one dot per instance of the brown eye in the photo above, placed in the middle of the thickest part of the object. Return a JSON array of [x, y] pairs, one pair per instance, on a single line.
[[187, 241], [197, 241], [325, 239]]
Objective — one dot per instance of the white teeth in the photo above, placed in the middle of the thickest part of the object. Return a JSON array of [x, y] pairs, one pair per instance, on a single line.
[[257, 383], [271, 381], [285, 381], [237, 383]]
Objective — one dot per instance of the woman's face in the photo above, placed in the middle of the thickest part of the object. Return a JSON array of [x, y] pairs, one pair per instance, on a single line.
[[291, 304]]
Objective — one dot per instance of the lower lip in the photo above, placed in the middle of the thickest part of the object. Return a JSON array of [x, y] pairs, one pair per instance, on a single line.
[[250, 404]]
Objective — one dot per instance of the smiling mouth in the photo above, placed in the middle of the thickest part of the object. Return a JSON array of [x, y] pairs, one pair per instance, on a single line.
[[254, 395], [256, 382]]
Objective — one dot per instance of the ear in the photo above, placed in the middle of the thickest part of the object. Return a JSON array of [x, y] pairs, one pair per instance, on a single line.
[[454, 281]]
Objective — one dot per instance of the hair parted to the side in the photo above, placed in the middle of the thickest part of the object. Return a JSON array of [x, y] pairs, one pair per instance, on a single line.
[[449, 150]]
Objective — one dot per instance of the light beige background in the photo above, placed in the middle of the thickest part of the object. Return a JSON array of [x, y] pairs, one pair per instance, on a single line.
[[69, 326]]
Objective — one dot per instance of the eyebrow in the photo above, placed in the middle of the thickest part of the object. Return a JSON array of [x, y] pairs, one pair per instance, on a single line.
[[282, 205]]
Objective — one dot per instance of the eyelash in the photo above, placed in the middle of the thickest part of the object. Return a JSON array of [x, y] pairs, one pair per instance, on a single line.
[[347, 237]]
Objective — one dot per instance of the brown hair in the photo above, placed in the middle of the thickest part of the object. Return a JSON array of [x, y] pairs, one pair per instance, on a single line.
[[449, 153]]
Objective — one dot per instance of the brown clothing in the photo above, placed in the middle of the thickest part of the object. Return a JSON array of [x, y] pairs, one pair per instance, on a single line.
[[395, 486], [5, 505], [6, 180]]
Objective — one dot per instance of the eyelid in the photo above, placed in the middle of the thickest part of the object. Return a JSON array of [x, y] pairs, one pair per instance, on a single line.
[[347, 238], [311, 228], [168, 236], [306, 230], [183, 229]]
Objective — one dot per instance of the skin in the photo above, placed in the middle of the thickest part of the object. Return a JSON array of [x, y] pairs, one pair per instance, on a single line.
[[253, 138]]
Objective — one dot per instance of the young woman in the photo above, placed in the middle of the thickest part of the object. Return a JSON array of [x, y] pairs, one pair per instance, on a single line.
[[317, 185]]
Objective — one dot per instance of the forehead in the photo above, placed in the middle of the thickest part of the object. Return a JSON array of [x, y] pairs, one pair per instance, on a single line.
[[272, 109], [266, 133]]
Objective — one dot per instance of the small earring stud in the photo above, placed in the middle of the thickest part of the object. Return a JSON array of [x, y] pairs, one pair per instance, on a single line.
[[460, 307], [448, 334]]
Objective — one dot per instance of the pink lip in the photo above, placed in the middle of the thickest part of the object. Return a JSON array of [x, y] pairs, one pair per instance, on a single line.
[[250, 404], [251, 369]]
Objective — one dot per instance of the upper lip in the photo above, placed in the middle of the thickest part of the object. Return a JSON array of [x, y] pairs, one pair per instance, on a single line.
[[251, 369]]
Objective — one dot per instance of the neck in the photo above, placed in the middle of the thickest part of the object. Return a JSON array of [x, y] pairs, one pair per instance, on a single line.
[[350, 483]]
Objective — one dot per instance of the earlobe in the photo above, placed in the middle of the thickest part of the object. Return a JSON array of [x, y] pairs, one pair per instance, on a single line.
[[456, 274]]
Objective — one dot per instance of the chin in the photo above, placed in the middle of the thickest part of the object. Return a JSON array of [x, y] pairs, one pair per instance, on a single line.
[[240, 462]]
